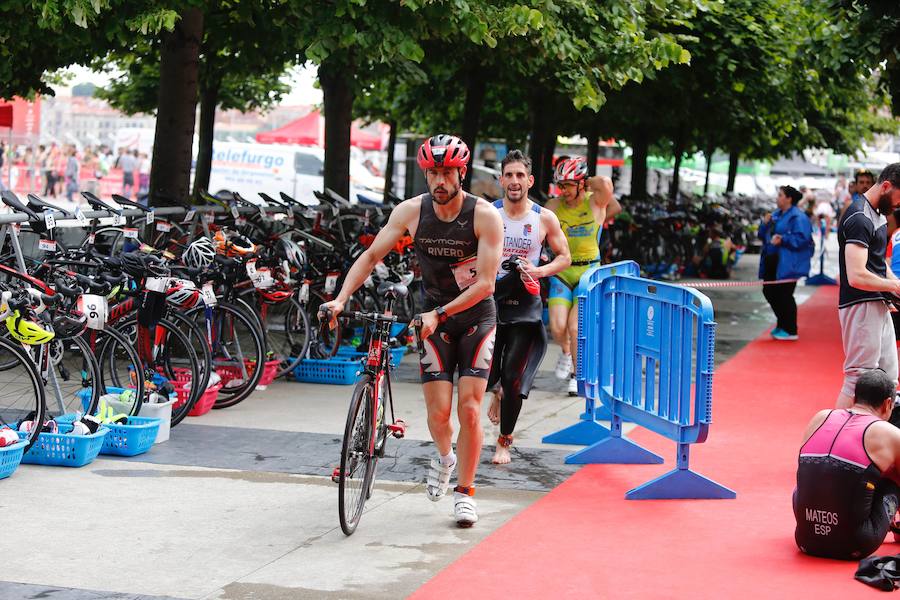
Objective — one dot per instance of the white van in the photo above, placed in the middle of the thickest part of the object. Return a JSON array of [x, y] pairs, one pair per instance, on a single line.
[[272, 168]]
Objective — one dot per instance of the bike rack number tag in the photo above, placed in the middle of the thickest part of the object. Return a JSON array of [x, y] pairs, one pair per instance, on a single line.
[[189, 216], [151, 216], [163, 226], [157, 284], [117, 219], [331, 282], [47, 245], [49, 219], [130, 232], [208, 295], [95, 308], [79, 214]]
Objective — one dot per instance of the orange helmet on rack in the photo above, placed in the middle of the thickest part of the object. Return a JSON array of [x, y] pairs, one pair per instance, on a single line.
[[233, 244]]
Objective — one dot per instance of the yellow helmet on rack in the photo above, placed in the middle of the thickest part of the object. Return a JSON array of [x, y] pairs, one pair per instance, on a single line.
[[27, 332]]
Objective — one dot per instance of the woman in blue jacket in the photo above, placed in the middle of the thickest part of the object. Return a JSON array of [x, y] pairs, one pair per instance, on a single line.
[[787, 249]]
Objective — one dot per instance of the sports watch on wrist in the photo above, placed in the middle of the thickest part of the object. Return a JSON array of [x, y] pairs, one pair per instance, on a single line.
[[441, 314]]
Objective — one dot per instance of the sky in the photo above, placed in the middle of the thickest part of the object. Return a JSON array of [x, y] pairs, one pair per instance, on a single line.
[[302, 80]]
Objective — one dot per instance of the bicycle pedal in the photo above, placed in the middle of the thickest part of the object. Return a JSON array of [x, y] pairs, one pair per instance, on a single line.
[[398, 429], [336, 475]]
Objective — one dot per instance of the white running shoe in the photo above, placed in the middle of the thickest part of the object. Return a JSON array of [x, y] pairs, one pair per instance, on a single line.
[[563, 366], [437, 482], [464, 510], [573, 386]]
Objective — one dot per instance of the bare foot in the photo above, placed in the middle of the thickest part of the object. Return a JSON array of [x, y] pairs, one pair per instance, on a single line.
[[494, 409], [501, 456]]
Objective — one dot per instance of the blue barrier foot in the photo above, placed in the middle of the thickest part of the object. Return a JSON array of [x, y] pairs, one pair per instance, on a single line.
[[616, 451], [582, 433], [680, 483]]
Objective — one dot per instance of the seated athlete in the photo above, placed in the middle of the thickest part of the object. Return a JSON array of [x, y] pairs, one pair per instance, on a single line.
[[847, 493]]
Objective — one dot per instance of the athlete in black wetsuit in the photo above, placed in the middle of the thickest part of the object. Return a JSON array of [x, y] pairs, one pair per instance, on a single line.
[[847, 494], [521, 336], [458, 240]]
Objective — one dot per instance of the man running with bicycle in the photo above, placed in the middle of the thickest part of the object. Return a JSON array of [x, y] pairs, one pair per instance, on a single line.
[[458, 240]]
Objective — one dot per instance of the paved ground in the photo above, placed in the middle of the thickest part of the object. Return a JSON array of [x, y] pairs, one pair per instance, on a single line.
[[239, 505]]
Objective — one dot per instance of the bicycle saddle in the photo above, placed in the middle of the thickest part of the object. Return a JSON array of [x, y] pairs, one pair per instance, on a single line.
[[271, 201], [98, 204], [288, 200], [392, 289], [12, 201], [123, 201], [40, 204]]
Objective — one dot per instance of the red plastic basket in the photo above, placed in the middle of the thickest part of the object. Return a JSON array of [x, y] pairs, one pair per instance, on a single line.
[[269, 372], [228, 373], [204, 403]]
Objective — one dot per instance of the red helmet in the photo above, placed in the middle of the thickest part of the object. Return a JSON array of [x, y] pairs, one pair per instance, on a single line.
[[571, 169], [443, 150], [279, 292]]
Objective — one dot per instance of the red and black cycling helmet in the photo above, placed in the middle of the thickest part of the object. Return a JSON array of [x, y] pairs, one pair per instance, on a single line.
[[571, 169], [443, 150]]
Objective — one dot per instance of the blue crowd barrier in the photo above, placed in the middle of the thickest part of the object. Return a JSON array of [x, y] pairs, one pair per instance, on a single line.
[[646, 345], [587, 430]]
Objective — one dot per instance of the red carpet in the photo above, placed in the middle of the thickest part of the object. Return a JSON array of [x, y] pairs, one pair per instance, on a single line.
[[584, 540]]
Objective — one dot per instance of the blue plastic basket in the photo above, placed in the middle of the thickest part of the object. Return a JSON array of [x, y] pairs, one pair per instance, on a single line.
[[348, 352], [63, 449], [131, 439], [10, 457], [336, 371]]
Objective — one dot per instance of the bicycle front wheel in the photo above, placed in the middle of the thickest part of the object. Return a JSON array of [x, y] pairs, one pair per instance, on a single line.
[[21, 390], [357, 461]]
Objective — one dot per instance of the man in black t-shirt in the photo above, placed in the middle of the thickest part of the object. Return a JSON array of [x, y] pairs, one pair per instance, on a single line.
[[866, 328]]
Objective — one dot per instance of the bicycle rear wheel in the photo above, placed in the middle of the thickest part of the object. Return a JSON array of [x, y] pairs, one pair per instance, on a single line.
[[120, 366], [21, 390], [287, 334], [238, 350], [73, 379], [357, 462]]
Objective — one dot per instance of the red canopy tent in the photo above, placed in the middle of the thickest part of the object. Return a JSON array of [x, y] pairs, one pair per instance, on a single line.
[[306, 131], [309, 131]]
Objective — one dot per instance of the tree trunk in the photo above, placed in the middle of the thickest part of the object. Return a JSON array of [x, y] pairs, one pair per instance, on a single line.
[[678, 150], [733, 158], [170, 171], [549, 149], [640, 149], [335, 75], [593, 138], [709, 157], [536, 146], [389, 169], [209, 100], [476, 87]]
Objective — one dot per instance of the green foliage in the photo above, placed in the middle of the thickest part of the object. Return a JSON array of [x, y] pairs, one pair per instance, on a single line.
[[767, 78], [39, 37], [245, 52]]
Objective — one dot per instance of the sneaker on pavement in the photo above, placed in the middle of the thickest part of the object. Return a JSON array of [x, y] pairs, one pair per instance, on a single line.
[[437, 482], [464, 510], [573, 386], [784, 336], [775, 331], [563, 366]]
